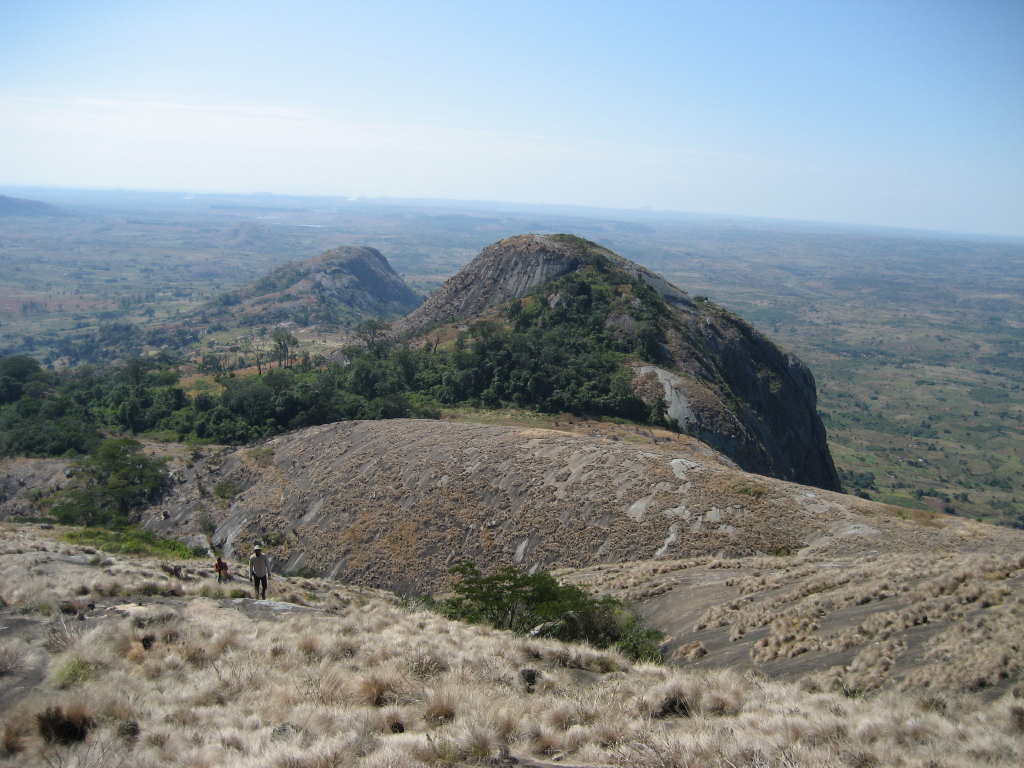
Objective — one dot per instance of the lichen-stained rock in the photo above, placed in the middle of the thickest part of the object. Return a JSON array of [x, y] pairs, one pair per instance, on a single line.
[[397, 503]]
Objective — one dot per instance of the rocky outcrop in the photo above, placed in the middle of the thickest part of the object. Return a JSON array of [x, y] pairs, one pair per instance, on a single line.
[[396, 503], [337, 288], [722, 380], [24, 481], [510, 269], [360, 277], [749, 399]]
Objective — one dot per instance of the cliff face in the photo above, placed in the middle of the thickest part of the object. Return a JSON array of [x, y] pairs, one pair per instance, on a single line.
[[750, 399], [721, 379]]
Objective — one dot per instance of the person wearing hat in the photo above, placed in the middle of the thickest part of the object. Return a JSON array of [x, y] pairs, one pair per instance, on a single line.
[[259, 570]]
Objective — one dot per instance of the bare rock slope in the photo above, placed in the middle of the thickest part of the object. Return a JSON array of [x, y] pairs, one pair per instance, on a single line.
[[337, 287], [722, 379], [395, 504]]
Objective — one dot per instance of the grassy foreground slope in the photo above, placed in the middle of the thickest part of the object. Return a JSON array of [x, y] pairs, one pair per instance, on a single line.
[[111, 660]]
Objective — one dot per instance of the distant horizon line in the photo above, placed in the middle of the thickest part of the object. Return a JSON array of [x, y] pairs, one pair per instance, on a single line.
[[505, 206]]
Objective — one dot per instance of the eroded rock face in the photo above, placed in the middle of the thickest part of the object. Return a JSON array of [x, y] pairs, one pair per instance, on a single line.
[[395, 504], [752, 400], [506, 270], [360, 277], [21, 479], [730, 385]]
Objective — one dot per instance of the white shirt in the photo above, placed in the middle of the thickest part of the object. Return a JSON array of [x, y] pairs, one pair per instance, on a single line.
[[259, 565]]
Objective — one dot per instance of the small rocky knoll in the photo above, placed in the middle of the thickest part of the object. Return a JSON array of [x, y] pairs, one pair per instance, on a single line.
[[720, 378], [337, 287], [394, 504]]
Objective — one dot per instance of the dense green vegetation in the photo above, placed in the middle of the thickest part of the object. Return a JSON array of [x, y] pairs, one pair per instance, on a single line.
[[111, 482], [555, 352], [537, 604], [133, 541]]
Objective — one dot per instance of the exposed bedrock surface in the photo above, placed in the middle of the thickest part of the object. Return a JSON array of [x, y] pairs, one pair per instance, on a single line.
[[396, 503]]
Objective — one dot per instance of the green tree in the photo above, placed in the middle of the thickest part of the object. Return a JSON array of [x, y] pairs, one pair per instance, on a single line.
[[284, 346], [373, 334], [114, 480]]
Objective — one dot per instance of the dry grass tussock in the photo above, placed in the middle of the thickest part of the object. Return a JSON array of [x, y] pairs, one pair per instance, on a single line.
[[187, 681], [923, 621]]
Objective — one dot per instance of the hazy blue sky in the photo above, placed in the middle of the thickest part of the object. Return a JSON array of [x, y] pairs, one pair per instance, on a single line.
[[894, 113]]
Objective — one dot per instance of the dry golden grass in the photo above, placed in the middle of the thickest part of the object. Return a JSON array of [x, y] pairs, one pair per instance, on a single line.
[[361, 680], [947, 621]]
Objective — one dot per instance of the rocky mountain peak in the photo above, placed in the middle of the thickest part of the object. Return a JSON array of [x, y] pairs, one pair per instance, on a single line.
[[336, 288], [719, 378], [512, 268], [360, 275]]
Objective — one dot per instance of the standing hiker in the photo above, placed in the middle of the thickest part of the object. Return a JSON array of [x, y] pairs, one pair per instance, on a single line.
[[221, 569], [259, 570]]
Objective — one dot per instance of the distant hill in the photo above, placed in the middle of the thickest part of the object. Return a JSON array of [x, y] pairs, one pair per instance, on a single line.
[[337, 288], [718, 377], [16, 206], [251, 237]]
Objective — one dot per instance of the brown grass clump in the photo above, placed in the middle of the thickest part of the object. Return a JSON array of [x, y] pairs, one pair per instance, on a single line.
[[190, 681], [12, 655], [440, 707], [379, 688]]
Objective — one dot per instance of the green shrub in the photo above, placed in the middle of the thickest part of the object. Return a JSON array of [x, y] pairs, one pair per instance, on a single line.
[[116, 478], [537, 604], [132, 540], [226, 490], [305, 572], [75, 672]]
